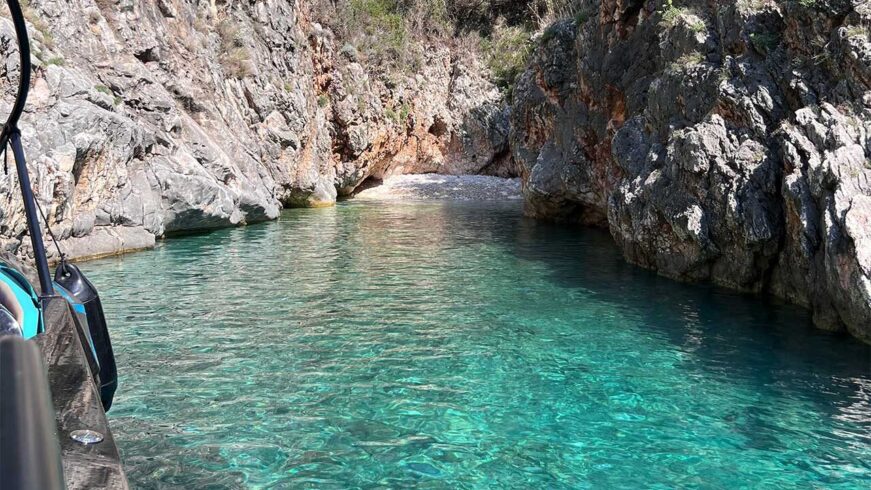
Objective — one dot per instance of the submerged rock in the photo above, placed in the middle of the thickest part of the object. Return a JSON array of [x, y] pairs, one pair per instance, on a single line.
[[724, 141]]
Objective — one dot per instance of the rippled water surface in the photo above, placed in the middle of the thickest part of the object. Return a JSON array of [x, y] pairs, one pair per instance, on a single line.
[[462, 346]]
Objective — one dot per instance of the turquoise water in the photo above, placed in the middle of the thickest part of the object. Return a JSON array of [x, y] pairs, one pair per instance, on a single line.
[[463, 346]]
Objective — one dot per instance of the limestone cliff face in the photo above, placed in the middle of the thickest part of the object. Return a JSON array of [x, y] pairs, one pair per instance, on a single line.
[[722, 141], [153, 117]]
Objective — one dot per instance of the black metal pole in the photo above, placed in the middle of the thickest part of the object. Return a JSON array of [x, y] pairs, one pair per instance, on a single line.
[[12, 135], [30, 212]]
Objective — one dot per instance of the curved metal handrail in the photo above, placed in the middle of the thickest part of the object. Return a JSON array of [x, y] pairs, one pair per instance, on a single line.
[[24, 80]]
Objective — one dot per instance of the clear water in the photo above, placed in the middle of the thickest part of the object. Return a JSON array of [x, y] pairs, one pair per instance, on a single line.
[[462, 346]]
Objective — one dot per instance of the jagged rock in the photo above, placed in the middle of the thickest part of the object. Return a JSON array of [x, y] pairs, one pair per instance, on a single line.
[[726, 142], [448, 119], [179, 115]]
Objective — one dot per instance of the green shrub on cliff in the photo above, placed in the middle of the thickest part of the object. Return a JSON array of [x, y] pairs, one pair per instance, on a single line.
[[379, 19], [388, 33], [507, 51], [398, 118], [764, 42], [671, 14], [36, 20], [391, 115], [392, 36], [235, 57], [237, 62], [686, 62], [859, 32]]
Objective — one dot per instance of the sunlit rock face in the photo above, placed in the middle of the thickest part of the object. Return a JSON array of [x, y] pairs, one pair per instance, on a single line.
[[148, 118], [722, 141]]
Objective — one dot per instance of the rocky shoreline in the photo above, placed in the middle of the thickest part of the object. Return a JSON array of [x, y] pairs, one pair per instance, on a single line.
[[727, 142]]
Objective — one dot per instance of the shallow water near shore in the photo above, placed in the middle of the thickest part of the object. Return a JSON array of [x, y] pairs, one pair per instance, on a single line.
[[460, 345]]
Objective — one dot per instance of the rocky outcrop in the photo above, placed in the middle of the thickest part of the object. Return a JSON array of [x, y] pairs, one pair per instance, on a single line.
[[448, 118], [148, 118], [721, 141]]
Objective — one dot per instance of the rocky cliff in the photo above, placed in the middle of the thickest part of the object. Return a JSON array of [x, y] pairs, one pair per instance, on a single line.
[[722, 141], [148, 118]]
